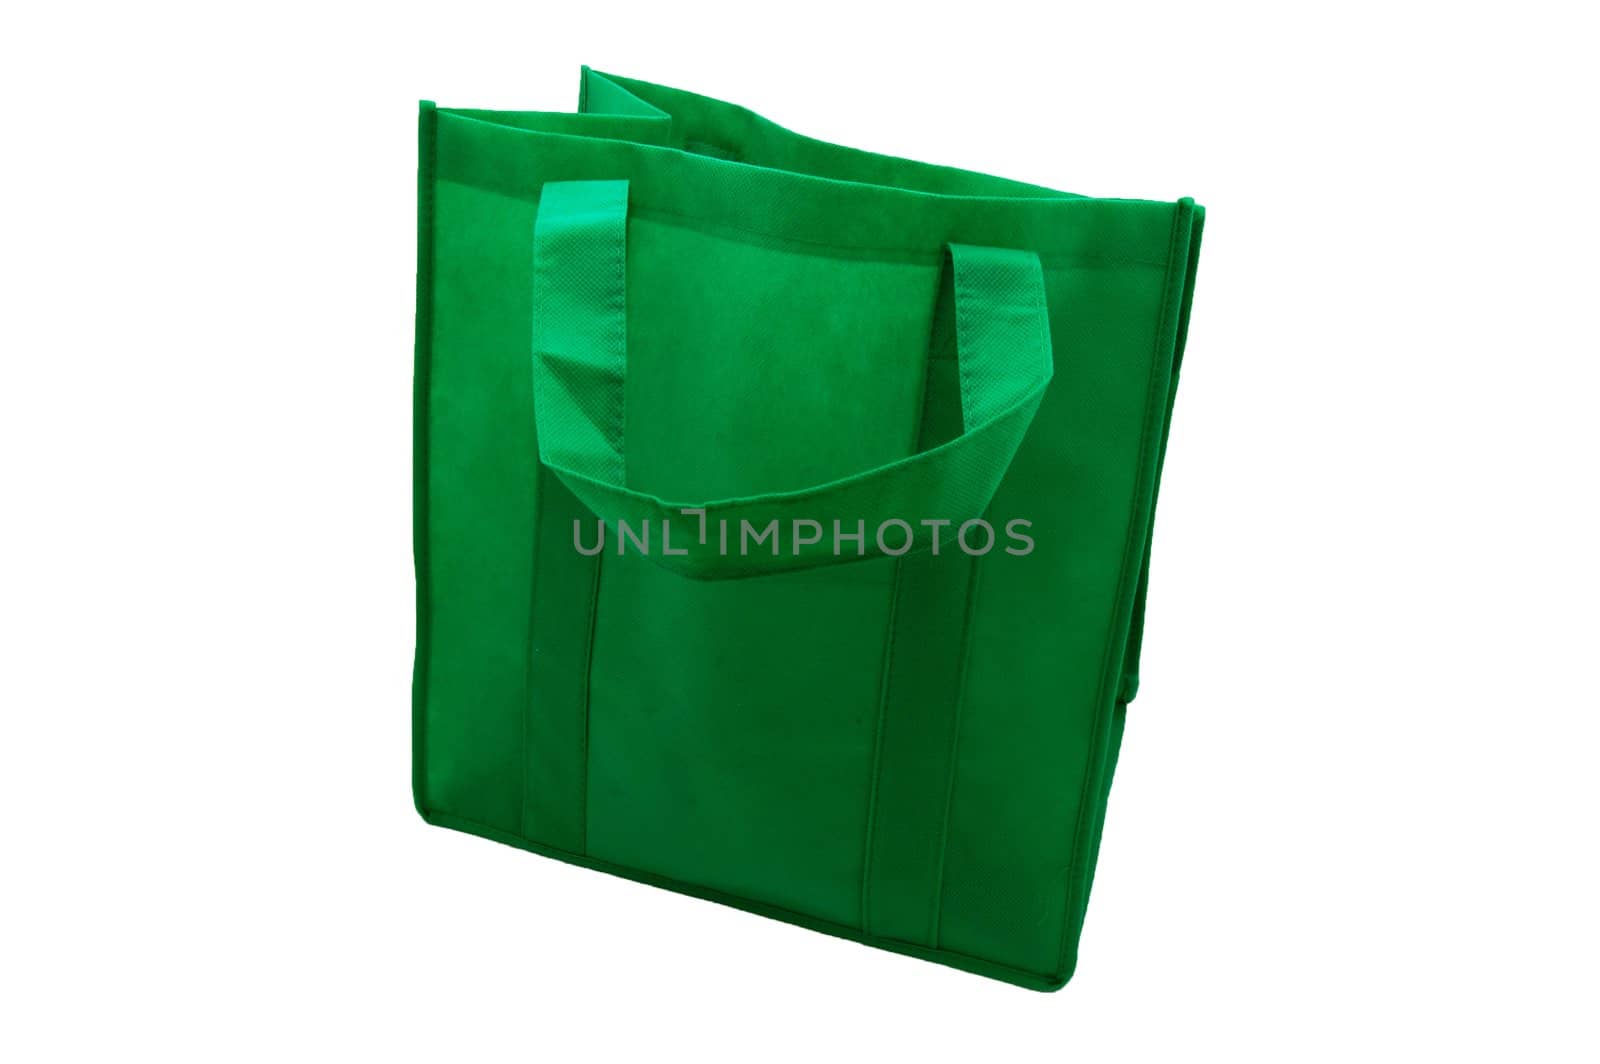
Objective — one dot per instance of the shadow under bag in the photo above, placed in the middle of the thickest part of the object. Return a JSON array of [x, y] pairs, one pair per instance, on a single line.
[[783, 514]]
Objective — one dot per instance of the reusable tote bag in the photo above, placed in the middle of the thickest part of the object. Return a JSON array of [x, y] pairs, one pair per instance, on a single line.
[[783, 515]]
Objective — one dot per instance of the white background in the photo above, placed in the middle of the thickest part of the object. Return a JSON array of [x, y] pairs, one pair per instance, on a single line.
[[1355, 816]]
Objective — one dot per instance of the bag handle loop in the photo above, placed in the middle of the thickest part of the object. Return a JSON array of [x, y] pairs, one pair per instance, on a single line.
[[580, 366]]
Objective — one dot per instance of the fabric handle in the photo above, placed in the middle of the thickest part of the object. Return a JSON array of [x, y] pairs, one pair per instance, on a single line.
[[580, 366]]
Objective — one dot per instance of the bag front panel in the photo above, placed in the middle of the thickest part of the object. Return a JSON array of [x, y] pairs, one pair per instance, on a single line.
[[732, 724]]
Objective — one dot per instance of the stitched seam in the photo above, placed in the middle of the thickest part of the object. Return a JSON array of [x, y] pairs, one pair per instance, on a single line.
[[421, 475], [541, 489], [619, 268], [877, 749], [955, 748], [588, 675], [542, 485], [683, 220], [1041, 308], [1093, 769], [963, 299], [894, 615]]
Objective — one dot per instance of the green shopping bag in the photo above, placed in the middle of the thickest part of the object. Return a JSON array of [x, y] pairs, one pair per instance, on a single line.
[[783, 514]]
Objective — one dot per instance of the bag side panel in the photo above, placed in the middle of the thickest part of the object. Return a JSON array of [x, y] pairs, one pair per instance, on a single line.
[[1038, 698], [480, 481], [1178, 297]]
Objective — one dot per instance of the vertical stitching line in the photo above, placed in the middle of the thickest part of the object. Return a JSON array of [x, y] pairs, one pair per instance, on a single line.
[[422, 373], [1041, 304], [877, 749], [1090, 775], [541, 488], [588, 674], [619, 256], [1041, 330], [619, 297], [963, 325], [894, 605], [955, 746]]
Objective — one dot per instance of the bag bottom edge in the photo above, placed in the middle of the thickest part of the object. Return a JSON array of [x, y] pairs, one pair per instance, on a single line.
[[1028, 980]]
